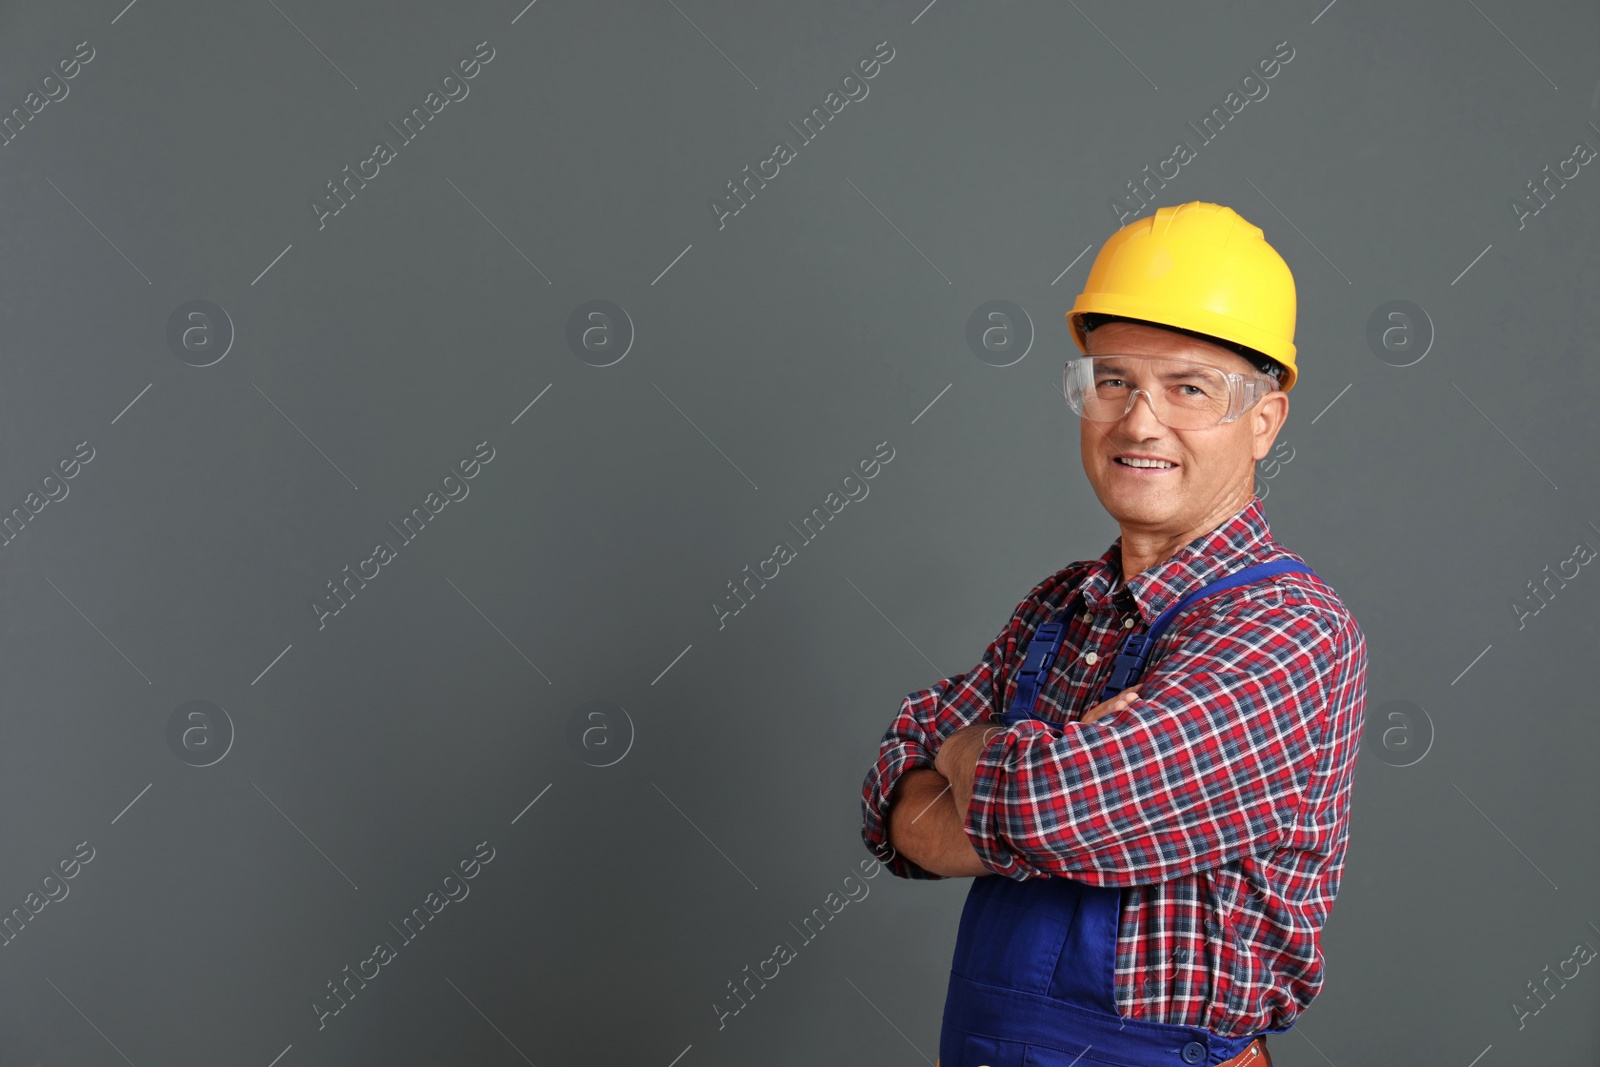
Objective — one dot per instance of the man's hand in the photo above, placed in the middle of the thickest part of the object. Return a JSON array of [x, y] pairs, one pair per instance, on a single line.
[[1106, 707], [957, 758]]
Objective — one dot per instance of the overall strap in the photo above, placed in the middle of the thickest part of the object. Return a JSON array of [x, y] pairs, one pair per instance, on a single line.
[[1042, 651], [1136, 648]]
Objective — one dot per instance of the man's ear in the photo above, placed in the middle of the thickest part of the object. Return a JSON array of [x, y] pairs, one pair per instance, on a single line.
[[1267, 417]]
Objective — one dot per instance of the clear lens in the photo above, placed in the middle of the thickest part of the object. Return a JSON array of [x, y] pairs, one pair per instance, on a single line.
[[1185, 395]]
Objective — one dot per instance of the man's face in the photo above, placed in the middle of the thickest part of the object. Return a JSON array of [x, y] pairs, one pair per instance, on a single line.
[[1215, 472]]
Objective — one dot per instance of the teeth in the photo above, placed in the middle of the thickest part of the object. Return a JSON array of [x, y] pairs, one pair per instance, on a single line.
[[1145, 462]]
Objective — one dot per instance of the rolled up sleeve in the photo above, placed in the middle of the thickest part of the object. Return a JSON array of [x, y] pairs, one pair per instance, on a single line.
[[1210, 763], [899, 753]]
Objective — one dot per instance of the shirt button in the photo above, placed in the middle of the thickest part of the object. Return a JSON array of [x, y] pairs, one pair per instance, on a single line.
[[1127, 623], [1193, 1052], [1092, 658]]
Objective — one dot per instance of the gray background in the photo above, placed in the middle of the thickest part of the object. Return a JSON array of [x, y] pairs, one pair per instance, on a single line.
[[369, 756]]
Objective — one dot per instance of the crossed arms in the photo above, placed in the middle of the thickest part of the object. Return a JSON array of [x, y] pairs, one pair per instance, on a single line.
[[1210, 761], [928, 807]]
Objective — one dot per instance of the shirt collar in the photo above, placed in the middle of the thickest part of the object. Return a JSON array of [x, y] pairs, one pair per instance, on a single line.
[[1238, 542]]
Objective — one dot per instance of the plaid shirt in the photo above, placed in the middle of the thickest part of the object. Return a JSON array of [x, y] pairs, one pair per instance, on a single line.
[[1219, 800]]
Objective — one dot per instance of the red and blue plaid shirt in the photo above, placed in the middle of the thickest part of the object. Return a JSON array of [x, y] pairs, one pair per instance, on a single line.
[[1219, 800]]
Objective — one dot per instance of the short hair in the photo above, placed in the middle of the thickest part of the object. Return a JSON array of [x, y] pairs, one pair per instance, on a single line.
[[1259, 360]]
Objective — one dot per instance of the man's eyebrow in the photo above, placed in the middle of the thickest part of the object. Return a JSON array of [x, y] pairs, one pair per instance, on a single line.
[[1186, 372]]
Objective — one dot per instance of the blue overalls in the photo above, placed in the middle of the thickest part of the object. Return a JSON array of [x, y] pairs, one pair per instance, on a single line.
[[1033, 979]]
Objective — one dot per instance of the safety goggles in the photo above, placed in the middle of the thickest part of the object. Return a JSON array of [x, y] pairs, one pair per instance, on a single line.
[[1184, 395]]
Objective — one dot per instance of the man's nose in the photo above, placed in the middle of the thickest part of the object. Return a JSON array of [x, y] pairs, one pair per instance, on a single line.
[[1143, 417]]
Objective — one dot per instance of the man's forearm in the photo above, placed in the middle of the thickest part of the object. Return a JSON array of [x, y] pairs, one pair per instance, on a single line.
[[925, 827]]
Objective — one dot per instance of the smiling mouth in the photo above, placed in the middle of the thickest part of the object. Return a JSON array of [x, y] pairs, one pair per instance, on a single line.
[[1152, 465]]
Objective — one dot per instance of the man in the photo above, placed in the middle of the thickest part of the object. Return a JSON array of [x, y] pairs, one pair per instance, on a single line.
[[1170, 832]]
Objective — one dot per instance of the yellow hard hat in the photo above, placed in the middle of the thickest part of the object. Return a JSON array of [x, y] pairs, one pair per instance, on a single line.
[[1199, 267]]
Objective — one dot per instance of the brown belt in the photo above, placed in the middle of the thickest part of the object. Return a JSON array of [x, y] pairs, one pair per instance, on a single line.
[[1256, 1055]]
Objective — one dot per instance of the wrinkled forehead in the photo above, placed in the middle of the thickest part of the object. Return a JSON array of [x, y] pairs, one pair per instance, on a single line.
[[1169, 368]]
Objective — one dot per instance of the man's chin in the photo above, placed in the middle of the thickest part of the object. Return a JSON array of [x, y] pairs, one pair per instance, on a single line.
[[1141, 509]]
